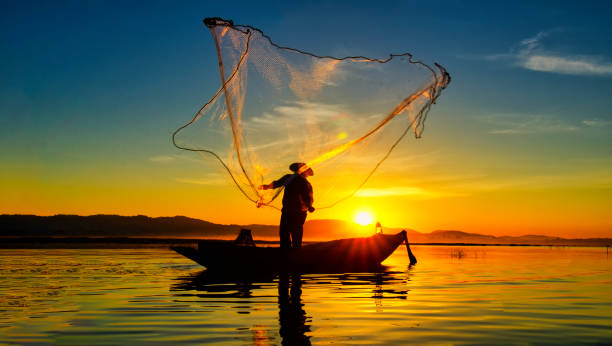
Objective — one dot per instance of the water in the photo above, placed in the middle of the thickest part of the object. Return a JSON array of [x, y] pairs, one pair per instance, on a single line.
[[453, 295]]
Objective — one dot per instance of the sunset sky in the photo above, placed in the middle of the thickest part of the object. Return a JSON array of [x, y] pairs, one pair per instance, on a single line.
[[519, 143]]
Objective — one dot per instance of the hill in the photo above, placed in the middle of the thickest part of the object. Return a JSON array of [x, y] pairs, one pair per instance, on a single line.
[[176, 227], [120, 226]]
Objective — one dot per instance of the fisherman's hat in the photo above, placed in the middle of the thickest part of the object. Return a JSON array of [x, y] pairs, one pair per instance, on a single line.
[[298, 167]]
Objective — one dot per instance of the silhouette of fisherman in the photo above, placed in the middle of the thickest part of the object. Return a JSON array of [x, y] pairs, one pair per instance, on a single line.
[[297, 201]]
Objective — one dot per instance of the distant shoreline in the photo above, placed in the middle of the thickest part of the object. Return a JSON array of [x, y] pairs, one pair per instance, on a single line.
[[177, 229], [153, 243]]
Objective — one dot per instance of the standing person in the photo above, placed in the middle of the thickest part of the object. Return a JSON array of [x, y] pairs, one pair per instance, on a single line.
[[297, 201]]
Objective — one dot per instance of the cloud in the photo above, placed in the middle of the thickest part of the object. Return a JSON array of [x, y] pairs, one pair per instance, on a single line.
[[533, 42], [597, 123], [517, 123], [530, 54], [402, 191], [312, 125], [277, 144], [162, 158], [567, 65], [297, 114], [595, 178], [211, 179]]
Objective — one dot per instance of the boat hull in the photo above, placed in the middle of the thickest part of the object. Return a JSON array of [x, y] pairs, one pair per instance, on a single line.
[[344, 255]]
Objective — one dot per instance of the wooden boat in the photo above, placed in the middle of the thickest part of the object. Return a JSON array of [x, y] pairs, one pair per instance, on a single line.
[[343, 255]]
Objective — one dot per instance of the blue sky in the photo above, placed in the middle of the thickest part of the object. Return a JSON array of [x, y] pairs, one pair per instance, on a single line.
[[100, 86], [64, 58]]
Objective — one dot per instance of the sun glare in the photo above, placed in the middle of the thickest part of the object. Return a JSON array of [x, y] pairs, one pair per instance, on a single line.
[[364, 218]]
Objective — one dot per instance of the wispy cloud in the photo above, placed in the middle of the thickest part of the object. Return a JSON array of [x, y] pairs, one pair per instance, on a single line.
[[531, 54], [597, 178], [210, 179], [172, 158], [162, 158], [317, 127], [297, 114], [518, 123], [403, 191], [567, 65], [528, 123], [597, 123]]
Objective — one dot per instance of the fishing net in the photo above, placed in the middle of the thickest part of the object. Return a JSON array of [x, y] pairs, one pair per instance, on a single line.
[[277, 105]]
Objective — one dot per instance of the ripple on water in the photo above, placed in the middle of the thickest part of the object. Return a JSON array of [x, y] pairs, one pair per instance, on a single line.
[[155, 296]]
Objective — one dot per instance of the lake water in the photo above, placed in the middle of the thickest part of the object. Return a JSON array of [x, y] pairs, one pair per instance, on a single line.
[[470, 294]]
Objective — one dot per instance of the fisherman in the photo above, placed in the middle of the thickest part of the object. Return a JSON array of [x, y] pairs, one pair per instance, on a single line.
[[297, 201]]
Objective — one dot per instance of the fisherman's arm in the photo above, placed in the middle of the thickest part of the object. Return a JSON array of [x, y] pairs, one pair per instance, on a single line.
[[275, 184], [266, 186]]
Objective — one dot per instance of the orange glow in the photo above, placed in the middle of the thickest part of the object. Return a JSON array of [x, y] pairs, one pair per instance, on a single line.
[[424, 198]]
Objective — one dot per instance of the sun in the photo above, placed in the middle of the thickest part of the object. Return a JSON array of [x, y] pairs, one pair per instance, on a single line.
[[364, 218]]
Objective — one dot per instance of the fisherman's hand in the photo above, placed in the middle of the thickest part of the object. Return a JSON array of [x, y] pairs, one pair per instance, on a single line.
[[311, 209], [263, 187]]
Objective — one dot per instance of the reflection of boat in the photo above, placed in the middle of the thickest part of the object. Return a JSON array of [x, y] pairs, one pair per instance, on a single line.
[[344, 255], [221, 284]]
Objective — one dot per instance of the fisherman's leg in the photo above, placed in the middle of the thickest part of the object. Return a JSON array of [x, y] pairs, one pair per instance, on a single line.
[[295, 230], [298, 229], [284, 231]]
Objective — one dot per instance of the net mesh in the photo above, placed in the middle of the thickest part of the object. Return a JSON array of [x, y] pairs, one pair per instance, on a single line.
[[277, 105]]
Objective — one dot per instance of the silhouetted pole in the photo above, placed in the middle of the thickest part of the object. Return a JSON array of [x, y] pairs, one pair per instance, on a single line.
[[413, 259]]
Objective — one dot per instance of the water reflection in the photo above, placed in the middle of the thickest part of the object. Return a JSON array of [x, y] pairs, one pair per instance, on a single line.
[[294, 323], [291, 316], [502, 295], [223, 284]]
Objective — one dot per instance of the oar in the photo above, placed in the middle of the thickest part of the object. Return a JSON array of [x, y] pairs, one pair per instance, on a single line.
[[413, 259]]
